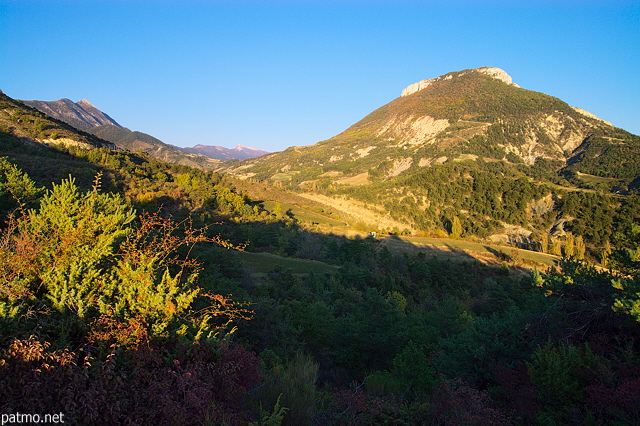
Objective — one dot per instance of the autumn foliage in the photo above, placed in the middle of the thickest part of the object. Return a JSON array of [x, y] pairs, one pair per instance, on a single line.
[[98, 318]]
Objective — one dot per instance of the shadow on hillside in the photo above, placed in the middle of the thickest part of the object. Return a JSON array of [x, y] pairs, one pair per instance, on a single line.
[[461, 254], [499, 254], [290, 241], [281, 236], [47, 165]]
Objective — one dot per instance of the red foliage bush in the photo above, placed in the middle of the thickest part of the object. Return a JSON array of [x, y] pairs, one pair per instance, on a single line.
[[516, 391], [355, 407], [456, 403], [133, 384], [620, 402]]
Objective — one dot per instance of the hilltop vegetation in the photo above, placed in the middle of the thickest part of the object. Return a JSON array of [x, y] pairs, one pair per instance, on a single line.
[[124, 296]]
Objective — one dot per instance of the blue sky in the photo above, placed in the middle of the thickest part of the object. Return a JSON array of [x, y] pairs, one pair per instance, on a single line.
[[274, 74]]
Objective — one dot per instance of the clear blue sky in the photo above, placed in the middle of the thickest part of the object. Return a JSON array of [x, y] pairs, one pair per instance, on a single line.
[[274, 74]]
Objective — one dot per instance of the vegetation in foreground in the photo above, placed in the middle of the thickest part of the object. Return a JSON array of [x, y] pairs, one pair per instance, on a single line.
[[113, 314], [120, 303]]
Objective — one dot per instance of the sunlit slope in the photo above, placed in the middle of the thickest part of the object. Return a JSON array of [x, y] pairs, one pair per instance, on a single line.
[[507, 162], [468, 114]]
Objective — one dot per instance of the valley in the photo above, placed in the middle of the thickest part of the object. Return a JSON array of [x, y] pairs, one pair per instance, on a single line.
[[465, 254], [353, 220]]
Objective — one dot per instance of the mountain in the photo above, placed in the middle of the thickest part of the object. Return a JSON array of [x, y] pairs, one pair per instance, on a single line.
[[221, 153], [474, 113], [81, 115], [460, 145], [20, 122], [121, 277], [85, 116]]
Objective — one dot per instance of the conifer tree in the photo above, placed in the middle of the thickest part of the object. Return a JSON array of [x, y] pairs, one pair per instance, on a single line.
[[456, 228], [544, 243], [606, 252], [581, 248], [569, 245]]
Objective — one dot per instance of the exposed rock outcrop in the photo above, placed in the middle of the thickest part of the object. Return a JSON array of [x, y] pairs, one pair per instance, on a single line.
[[490, 71]]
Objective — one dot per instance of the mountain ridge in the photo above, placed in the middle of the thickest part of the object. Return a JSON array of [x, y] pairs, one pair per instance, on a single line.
[[31, 126], [85, 116], [82, 115]]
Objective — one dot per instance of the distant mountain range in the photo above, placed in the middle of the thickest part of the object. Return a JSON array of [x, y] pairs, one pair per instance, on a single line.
[[239, 152], [85, 116]]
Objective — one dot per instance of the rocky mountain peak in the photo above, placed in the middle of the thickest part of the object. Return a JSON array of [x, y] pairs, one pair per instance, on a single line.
[[494, 72], [85, 103]]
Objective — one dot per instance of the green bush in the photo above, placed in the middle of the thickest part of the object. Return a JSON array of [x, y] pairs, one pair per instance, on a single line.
[[292, 386]]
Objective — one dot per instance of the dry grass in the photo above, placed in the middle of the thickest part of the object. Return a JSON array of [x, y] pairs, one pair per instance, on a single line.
[[357, 180]]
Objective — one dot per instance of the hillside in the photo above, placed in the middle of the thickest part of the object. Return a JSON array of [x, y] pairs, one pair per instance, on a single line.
[[507, 155], [138, 141], [22, 122], [85, 116]]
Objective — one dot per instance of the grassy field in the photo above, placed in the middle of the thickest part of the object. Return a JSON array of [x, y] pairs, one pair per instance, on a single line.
[[266, 262], [598, 180], [456, 250], [360, 179], [440, 247], [471, 247], [283, 177], [303, 215]]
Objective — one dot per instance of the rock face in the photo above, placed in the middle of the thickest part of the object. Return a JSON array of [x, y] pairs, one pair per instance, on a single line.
[[81, 115], [496, 73]]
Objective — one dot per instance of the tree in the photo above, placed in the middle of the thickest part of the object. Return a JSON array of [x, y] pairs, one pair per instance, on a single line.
[[17, 190], [456, 228], [606, 252], [569, 245], [627, 282], [554, 247], [581, 248], [544, 242]]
